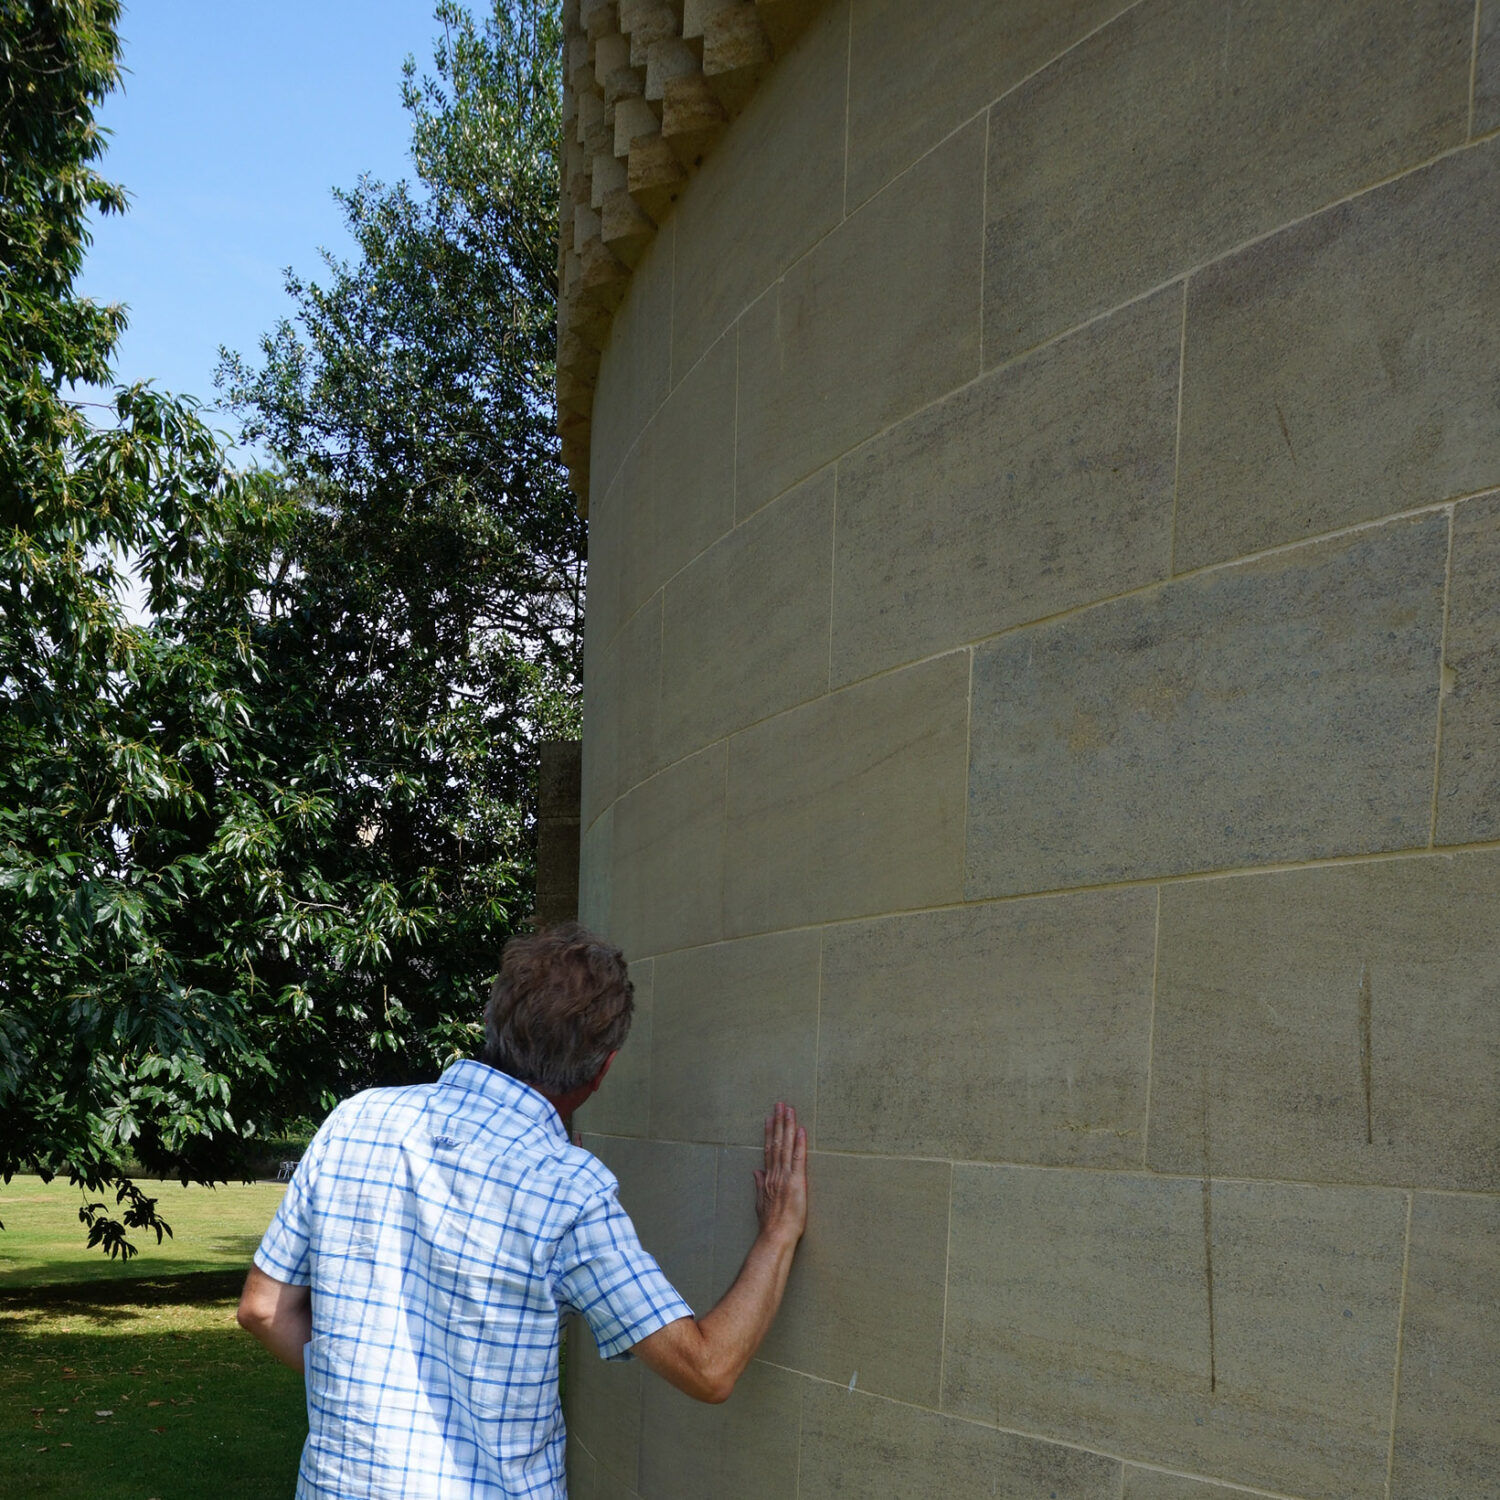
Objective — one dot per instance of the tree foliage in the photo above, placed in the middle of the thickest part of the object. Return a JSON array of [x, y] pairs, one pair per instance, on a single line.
[[264, 848], [106, 1028], [427, 607]]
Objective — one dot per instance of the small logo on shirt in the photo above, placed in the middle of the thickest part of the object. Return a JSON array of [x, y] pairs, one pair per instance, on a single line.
[[446, 1143]]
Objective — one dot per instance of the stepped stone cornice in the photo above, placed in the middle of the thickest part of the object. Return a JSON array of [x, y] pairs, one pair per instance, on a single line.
[[648, 88]]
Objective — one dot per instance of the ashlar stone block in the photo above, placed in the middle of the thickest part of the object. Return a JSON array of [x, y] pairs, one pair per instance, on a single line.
[[916, 74], [596, 873], [859, 1447], [745, 633], [635, 369], [668, 858], [879, 318], [746, 1448], [1282, 710], [851, 804], [1344, 369], [865, 1297], [1487, 70], [1332, 1024], [1244, 1331], [623, 1104], [689, 450], [582, 1470], [1447, 1438], [1153, 1484], [1018, 1031], [1045, 485], [1185, 128], [736, 1027], [1468, 808], [668, 1190], [622, 687], [603, 1407], [721, 269], [608, 1487]]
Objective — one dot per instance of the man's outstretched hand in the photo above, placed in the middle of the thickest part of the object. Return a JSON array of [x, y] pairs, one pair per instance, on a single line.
[[781, 1185]]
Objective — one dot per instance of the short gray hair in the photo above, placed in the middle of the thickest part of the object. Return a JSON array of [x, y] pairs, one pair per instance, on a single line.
[[562, 1003]]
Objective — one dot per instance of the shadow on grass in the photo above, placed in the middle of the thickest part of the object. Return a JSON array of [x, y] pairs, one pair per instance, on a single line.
[[113, 1301], [123, 1413]]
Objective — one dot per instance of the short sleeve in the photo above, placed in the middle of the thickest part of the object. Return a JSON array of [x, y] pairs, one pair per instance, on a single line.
[[285, 1249], [602, 1271]]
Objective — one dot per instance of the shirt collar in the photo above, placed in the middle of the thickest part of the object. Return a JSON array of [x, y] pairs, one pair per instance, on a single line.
[[504, 1091]]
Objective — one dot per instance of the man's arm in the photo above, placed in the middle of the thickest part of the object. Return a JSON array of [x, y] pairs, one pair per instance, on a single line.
[[278, 1314], [705, 1356]]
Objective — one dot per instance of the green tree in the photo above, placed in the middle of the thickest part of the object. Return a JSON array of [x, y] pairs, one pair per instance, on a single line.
[[264, 848], [106, 728], [427, 604]]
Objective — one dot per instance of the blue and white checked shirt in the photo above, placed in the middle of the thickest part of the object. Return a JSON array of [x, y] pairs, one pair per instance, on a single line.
[[445, 1229]]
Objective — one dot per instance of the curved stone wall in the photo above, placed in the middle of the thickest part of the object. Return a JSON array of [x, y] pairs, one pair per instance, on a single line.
[[1041, 719]]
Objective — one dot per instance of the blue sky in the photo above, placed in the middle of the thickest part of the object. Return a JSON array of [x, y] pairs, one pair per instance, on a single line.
[[234, 123]]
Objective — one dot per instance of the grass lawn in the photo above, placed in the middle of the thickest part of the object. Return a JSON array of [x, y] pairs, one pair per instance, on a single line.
[[131, 1381]]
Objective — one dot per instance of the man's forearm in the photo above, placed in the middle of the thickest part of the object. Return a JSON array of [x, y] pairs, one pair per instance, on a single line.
[[278, 1315], [705, 1356], [737, 1325]]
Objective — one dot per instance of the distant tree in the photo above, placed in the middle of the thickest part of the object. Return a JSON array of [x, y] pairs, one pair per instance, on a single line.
[[428, 600]]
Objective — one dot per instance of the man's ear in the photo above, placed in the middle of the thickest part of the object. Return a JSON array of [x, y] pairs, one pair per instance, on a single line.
[[599, 1076]]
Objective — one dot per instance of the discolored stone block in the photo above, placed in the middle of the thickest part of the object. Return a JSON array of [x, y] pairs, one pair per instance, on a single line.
[[820, 370], [1247, 1330], [636, 366], [859, 1447], [865, 1297], [1447, 1441], [668, 858], [603, 1407], [1343, 369], [721, 268], [1468, 806], [745, 633], [1043, 486], [746, 1448], [736, 1027], [1487, 70], [915, 75], [667, 1189], [1282, 710], [1013, 1032], [1336, 1024], [623, 1104], [851, 804], [1183, 129]]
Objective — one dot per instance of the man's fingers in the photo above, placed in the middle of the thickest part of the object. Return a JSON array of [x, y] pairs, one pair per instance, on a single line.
[[799, 1149], [789, 1138]]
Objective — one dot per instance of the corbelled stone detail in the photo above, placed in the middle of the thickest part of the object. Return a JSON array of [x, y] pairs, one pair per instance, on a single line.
[[649, 86]]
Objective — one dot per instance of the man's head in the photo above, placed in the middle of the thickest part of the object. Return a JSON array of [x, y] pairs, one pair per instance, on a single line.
[[560, 1008]]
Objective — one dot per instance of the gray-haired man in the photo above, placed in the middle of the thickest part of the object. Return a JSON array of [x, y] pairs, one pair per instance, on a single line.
[[433, 1237]]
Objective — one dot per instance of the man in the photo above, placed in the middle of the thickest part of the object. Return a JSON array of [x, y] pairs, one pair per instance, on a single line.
[[433, 1236]]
